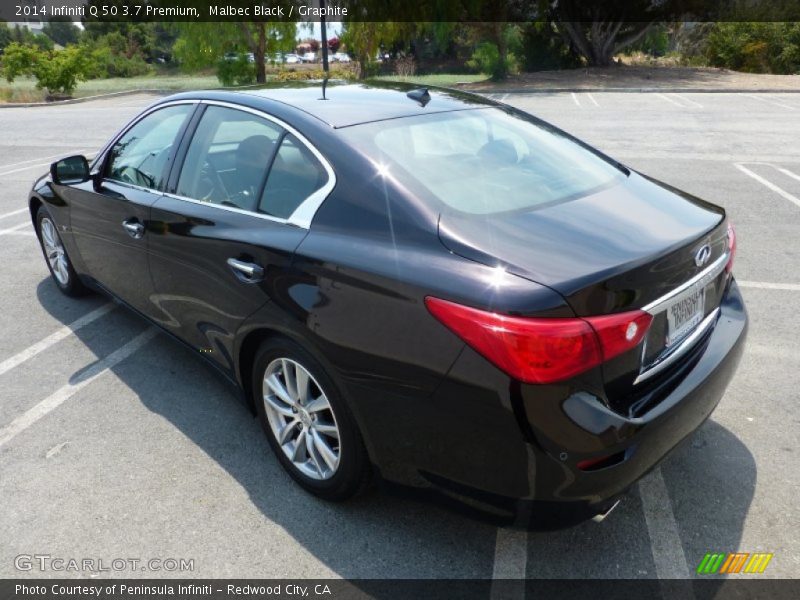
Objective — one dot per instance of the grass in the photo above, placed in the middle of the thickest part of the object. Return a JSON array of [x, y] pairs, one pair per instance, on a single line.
[[24, 89], [440, 79]]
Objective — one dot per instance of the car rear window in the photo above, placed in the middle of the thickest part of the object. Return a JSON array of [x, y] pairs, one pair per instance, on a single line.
[[484, 161]]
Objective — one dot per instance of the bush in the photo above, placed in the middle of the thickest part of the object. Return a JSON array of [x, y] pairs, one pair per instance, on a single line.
[[292, 75], [405, 66], [103, 63], [58, 72], [755, 47], [236, 72]]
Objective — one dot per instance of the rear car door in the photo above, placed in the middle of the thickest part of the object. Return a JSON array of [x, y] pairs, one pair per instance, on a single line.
[[223, 236], [109, 215]]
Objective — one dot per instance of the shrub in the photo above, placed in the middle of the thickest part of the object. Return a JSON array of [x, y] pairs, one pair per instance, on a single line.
[[103, 62], [755, 47], [405, 66], [292, 75], [236, 72], [57, 72]]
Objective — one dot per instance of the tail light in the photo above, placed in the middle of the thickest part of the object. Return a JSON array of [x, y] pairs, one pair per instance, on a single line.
[[536, 350], [731, 246]]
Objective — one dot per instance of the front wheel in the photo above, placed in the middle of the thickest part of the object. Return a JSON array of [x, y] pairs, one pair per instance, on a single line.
[[56, 256], [307, 423]]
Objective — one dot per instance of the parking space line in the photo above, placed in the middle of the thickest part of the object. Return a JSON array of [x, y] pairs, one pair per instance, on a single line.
[[54, 338], [24, 162], [64, 393], [787, 172], [692, 102], [665, 540], [765, 285], [575, 99], [44, 164], [769, 184], [592, 99], [14, 212], [15, 228], [510, 562], [670, 100], [770, 101]]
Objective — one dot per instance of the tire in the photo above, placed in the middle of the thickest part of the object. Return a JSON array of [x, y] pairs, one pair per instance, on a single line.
[[55, 256], [311, 462]]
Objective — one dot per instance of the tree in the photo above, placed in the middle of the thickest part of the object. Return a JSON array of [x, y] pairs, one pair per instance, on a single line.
[[62, 31], [364, 38], [56, 71], [5, 35], [202, 45], [598, 29]]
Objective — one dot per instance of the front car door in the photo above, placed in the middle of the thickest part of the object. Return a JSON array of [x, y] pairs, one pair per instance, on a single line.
[[109, 215], [222, 237]]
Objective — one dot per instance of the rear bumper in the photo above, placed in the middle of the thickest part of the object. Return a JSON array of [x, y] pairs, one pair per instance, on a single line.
[[512, 451]]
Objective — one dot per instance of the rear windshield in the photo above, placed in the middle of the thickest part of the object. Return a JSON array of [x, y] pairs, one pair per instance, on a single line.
[[483, 161]]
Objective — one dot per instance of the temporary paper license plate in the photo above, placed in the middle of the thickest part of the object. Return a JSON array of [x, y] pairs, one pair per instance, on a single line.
[[685, 314]]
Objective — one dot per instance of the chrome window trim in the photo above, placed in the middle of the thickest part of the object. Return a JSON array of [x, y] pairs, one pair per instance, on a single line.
[[304, 213], [241, 211], [680, 350]]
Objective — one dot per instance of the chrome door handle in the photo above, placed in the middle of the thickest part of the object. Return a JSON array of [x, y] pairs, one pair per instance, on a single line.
[[246, 271], [133, 228]]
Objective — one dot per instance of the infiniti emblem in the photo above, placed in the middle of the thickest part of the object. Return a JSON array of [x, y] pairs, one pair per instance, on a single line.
[[702, 255]]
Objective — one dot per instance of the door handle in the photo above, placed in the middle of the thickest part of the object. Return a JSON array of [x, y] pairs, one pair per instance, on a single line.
[[246, 272], [133, 228]]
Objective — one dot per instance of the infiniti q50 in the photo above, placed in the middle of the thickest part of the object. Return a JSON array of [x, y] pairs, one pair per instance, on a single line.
[[416, 286]]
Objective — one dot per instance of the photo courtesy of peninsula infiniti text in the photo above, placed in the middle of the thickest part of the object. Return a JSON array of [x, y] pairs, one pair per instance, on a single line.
[[422, 288]]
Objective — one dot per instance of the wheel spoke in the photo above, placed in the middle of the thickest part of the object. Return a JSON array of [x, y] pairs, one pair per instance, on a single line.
[[327, 453], [327, 429], [61, 266], [276, 405], [318, 404], [276, 387], [286, 432], [289, 377], [299, 446], [302, 384], [312, 454]]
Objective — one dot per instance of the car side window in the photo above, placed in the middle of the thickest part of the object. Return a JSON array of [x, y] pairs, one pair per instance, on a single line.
[[228, 158], [295, 175], [140, 156]]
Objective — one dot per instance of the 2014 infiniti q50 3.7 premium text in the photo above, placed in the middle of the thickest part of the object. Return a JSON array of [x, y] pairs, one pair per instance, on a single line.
[[415, 286]]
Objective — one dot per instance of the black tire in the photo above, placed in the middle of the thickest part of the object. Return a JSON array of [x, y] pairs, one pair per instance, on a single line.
[[352, 474], [72, 285]]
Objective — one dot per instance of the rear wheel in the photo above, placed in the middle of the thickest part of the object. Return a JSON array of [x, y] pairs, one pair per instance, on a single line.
[[307, 423], [56, 256]]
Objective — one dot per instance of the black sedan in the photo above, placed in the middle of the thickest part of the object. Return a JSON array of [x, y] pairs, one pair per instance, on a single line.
[[414, 286]]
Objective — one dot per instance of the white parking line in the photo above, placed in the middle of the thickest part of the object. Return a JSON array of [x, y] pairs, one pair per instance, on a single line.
[[54, 338], [765, 285], [670, 100], [14, 212], [30, 160], [787, 172], [44, 164], [692, 102], [64, 393], [770, 101], [15, 228], [665, 540], [575, 99], [592, 99], [769, 184], [510, 562]]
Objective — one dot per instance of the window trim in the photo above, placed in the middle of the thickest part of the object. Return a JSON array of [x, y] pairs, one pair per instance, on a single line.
[[100, 161], [307, 209]]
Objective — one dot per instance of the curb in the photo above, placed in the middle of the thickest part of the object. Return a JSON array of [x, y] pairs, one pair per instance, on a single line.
[[632, 90], [84, 99]]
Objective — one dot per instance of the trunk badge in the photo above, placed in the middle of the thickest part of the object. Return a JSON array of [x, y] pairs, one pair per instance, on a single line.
[[702, 255]]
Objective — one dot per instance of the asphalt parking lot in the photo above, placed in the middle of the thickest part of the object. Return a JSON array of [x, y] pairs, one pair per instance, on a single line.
[[116, 442]]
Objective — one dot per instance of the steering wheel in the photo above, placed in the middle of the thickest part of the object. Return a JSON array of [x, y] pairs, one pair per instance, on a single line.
[[132, 175], [209, 185]]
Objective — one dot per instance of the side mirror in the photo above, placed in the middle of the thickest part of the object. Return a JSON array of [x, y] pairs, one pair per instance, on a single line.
[[70, 170]]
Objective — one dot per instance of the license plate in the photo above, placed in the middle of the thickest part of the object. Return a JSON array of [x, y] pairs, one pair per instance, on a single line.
[[685, 314]]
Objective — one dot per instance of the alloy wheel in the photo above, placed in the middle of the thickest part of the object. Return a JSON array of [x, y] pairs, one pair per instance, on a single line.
[[301, 418], [54, 251]]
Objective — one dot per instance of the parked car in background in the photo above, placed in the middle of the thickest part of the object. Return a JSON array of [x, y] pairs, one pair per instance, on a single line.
[[340, 57], [309, 57], [428, 287], [292, 59]]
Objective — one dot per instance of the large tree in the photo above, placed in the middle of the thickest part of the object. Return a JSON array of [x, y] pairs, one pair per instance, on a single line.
[[203, 44], [599, 29]]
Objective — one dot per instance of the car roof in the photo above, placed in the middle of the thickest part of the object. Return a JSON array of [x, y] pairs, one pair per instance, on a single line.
[[347, 104]]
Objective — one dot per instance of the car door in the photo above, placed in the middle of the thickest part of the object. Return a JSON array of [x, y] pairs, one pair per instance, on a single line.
[[109, 215], [222, 238]]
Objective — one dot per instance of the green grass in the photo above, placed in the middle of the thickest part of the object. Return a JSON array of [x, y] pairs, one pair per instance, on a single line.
[[440, 79]]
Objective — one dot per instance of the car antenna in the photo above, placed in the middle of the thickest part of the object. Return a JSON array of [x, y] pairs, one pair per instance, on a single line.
[[324, 85], [420, 95]]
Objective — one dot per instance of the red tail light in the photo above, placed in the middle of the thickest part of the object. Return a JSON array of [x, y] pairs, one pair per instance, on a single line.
[[731, 246], [535, 350]]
